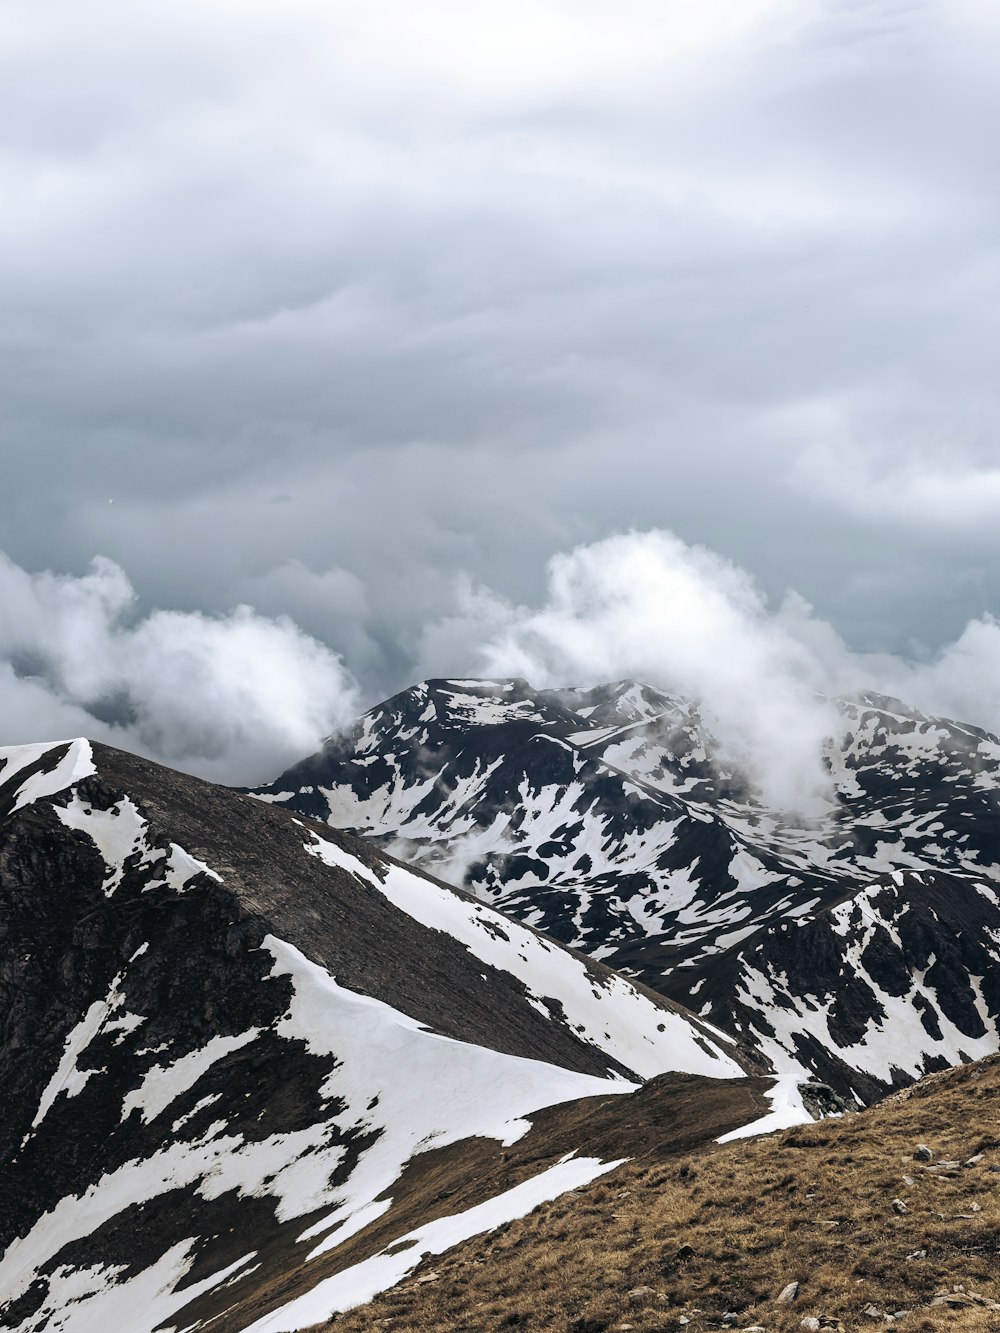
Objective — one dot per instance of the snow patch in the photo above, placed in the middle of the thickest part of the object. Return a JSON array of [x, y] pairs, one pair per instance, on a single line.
[[361, 1283], [606, 1011], [165, 1083], [117, 833], [77, 763]]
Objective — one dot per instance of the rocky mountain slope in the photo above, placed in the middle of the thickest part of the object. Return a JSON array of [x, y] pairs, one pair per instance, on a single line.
[[860, 947], [253, 1069]]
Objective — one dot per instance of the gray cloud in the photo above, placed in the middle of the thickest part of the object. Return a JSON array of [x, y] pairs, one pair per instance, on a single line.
[[335, 302]]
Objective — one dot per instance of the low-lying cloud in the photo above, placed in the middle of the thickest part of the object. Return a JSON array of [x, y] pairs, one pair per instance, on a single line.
[[230, 697], [237, 697], [648, 606]]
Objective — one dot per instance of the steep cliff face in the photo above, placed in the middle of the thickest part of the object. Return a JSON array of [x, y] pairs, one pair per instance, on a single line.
[[233, 1045]]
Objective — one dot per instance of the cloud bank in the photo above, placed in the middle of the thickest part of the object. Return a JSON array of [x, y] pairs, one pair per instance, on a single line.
[[239, 696], [650, 607], [229, 697]]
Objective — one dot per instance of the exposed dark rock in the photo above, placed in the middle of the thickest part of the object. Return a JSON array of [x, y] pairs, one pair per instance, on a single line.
[[908, 858]]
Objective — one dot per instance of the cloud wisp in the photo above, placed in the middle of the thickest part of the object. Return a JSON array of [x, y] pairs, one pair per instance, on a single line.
[[933, 495]]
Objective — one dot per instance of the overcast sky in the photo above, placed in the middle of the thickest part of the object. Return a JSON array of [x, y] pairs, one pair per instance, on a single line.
[[360, 313]]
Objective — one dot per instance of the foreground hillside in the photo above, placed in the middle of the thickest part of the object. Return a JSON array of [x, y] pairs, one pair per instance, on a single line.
[[243, 1056], [859, 948], [843, 1216]]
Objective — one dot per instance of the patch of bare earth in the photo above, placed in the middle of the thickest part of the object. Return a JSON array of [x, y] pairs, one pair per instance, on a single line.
[[846, 1218]]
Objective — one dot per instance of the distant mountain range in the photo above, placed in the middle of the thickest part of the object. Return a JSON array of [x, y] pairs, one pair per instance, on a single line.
[[859, 949]]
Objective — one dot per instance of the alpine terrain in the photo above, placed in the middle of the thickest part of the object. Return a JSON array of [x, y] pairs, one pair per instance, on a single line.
[[254, 1070], [856, 951], [259, 1069]]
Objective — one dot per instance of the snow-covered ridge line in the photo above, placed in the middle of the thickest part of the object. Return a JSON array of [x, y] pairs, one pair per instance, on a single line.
[[402, 1089], [75, 764], [606, 1011], [119, 833], [222, 1080], [364, 1281]]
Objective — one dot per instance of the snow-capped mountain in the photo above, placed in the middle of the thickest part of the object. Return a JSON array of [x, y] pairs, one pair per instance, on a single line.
[[605, 818], [900, 979], [246, 1059]]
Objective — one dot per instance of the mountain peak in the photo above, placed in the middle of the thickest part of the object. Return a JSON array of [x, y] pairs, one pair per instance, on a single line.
[[602, 816]]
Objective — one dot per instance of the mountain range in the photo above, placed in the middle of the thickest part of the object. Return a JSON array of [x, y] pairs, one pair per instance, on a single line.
[[263, 1052], [858, 948], [244, 1056]]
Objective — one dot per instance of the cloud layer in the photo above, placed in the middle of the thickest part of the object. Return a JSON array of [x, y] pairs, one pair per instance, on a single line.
[[237, 697], [229, 697], [330, 296]]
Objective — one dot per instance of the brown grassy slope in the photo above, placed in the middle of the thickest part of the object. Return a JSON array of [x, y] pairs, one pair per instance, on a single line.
[[812, 1205], [677, 1111]]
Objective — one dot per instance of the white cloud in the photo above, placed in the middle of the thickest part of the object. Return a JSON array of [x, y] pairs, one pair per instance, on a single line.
[[930, 493], [961, 681], [647, 606], [232, 697]]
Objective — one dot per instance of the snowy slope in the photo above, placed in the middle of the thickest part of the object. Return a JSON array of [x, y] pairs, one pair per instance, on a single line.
[[232, 1039], [605, 818], [899, 980]]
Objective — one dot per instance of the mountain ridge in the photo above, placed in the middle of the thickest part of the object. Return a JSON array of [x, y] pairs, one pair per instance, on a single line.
[[607, 818], [230, 1038]]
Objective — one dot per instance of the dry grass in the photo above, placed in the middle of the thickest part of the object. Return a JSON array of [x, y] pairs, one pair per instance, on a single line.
[[812, 1205]]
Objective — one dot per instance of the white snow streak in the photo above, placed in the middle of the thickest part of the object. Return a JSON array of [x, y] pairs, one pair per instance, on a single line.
[[117, 833], [607, 1012], [162, 1085], [361, 1283], [76, 763]]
